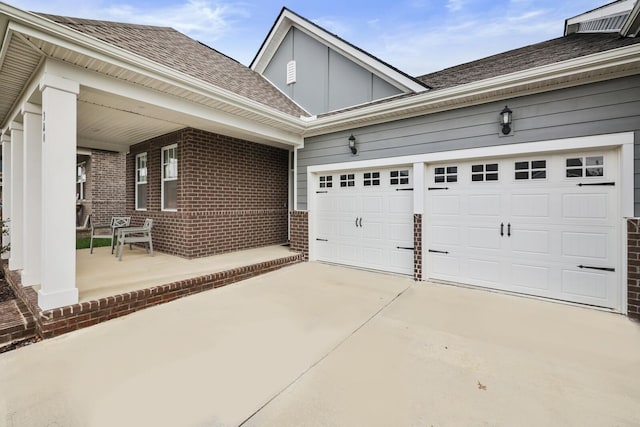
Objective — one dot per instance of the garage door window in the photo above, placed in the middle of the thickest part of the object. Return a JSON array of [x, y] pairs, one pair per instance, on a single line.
[[347, 180], [446, 174], [486, 172], [400, 177], [536, 169], [371, 178], [326, 181], [585, 166]]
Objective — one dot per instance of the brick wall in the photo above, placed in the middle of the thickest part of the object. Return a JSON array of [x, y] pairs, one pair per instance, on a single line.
[[417, 247], [300, 232], [105, 185], [633, 267], [232, 194]]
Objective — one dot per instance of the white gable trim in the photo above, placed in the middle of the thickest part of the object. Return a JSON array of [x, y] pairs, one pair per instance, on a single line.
[[288, 19]]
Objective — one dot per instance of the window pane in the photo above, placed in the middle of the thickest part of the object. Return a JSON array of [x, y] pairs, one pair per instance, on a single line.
[[539, 164], [595, 161], [170, 194], [404, 173], [452, 169], [394, 174], [376, 174], [452, 178], [439, 178], [141, 202], [522, 165], [476, 177], [574, 162], [492, 167], [439, 171], [522, 175], [573, 173], [538, 174], [477, 168], [367, 175], [595, 172], [404, 180], [492, 177]]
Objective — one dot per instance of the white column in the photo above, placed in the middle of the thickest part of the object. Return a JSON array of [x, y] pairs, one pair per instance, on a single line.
[[6, 188], [32, 123], [59, 120], [17, 206]]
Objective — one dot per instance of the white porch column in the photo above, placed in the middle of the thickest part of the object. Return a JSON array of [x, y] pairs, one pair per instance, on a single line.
[[6, 187], [16, 227], [59, 119], [32, 123]]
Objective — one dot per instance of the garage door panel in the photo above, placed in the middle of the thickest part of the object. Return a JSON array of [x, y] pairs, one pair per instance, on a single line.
[[400, 203], [485, 270], [585, 206], [485, 205], [445, 267], [593, 246], [445, 205], [400, 260], [531, 241], [483, 238], [372, 204], [445, 235], [530, 277], [530, 205], [585, 284]]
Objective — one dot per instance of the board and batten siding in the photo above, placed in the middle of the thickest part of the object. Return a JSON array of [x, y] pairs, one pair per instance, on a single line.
[[599, 108], [325, 79]]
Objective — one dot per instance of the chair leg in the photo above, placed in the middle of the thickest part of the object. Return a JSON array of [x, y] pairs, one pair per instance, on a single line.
[[91, 245], [150, 246]]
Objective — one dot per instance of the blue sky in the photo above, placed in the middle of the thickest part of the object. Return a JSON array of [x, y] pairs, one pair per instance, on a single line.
[[416, 36]]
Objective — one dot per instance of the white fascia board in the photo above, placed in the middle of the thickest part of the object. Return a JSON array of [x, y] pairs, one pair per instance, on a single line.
[[90, 46], [480, 91], [623, 139], [289, 19], [130, 90], [601, 12], [631, 24]]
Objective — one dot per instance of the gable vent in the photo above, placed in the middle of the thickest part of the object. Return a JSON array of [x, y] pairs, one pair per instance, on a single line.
[[606, 24], [291, 72]]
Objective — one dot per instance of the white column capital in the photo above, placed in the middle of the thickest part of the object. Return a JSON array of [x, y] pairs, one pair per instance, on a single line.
[[28, 107], [6, 138], [15, 126], [56, 82]]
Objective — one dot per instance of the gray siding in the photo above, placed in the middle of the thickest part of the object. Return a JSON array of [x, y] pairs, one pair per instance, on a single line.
[[599, 108], [326, 80]]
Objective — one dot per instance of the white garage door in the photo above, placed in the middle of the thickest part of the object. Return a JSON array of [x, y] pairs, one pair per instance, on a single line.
[[544, 225], [365, 219]]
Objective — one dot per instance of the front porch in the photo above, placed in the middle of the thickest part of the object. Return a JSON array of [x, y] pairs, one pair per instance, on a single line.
[[108, 288]]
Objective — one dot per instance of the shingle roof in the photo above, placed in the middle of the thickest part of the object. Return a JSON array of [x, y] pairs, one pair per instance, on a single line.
[[173, 49], [536, 55]]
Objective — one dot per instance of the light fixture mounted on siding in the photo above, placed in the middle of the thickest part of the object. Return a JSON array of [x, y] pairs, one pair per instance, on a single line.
[[291, 72], [506, 118], [352, 144]]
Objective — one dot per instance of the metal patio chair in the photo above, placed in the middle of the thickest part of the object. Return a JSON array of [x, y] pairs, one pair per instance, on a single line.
[[129, 235], [108, 231]]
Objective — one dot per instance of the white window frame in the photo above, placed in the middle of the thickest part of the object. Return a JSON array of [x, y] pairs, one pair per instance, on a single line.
[[81, 179], [163, 179], [146, 179]]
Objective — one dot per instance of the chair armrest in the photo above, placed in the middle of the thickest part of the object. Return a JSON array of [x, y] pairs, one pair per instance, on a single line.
[[100, 227]]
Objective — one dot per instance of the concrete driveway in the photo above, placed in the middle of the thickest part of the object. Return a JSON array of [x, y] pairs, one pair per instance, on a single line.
[[321, 345]]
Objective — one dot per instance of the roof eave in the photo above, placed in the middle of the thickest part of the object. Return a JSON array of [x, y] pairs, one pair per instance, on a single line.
[[540, 79]]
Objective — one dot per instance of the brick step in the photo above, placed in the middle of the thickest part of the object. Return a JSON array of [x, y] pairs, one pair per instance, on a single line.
[[16, 323]]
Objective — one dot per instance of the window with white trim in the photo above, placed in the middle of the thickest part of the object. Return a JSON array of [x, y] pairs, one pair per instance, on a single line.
[[371, 178], [536, 169], [400, 177], [445, 174], [485, 172], [81, 179], [347, 180], [170, 178], [326, 181], [578, 167], [141, 182]]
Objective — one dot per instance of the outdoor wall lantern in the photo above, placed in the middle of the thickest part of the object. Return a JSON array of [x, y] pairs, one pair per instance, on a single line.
[[505, 120], [352, 144]]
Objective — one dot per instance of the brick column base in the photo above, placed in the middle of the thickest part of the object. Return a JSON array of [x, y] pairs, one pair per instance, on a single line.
[[633, 268], [300, 232]]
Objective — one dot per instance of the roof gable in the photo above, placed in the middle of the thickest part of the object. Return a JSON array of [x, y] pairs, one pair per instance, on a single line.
[[289, 19]]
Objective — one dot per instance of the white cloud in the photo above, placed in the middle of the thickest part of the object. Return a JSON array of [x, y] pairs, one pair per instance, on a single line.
[[455, 5], [333, 25]]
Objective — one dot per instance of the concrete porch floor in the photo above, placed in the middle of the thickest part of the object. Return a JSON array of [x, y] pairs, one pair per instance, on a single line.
[[100, 274]]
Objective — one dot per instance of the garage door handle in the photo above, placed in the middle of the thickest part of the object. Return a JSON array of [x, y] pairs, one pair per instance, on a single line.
[[597, 268], [360, 222], [509, 229], [356, 221], [502, 228]]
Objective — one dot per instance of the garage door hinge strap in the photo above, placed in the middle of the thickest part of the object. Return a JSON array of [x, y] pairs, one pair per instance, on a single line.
[[322, 240], [433, 251], [404, 247], [321, 192], [580, 184], [597, 268], [437, 188], [404, 189]]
